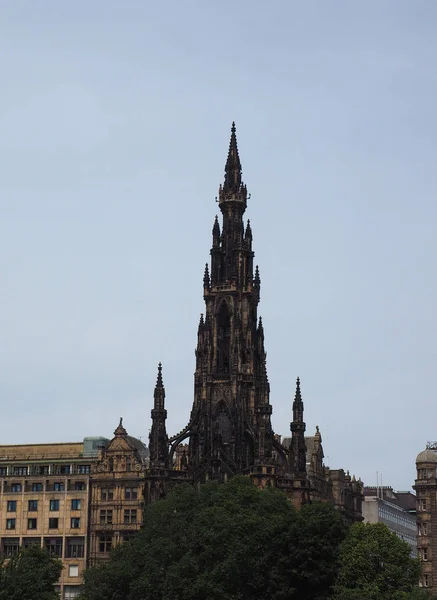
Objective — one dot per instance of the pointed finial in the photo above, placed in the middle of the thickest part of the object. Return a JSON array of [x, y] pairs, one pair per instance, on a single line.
[[248, 234], [257, 279], [233, 187], [297, 395], [201, 321], [120, 430], [317, 429], [159, 382], [206, 279]]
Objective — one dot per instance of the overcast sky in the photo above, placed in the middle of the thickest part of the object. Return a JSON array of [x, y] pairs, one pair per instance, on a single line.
[[114, 127]]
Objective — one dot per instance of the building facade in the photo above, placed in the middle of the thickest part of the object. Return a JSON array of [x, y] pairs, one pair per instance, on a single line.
[[383, 505], [229, 429], [44, 492], [426, 508]]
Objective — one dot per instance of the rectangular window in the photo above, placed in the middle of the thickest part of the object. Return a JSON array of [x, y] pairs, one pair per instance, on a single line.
[[79, 486], [10, 546], [58, 486], [63, 470], [131, 493], [75, 547], [426, 580], [54, 546], [42, 470], [130, 516], [15, 487], [422, 504], [3, 471], [75, 504], [53, 523], [73, 570], [424, 553], [54, 505], [83, 469], [31, 541], [105, 543], [10, 523], [20, 471], [71, 592], [105, 517], [107, 494], [12, 506], [37, 487], [32, 505], [31, 524], [424, 529], [75, 523]]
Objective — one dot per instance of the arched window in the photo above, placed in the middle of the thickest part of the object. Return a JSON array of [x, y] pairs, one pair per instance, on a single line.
[[224, 424], [223, 339]]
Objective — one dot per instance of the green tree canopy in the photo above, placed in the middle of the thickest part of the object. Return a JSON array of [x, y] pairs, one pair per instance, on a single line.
[[376, 565], [224, 542], [29, 574]]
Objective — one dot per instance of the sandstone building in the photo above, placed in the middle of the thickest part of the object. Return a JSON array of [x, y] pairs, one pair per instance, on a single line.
[[426, 503]]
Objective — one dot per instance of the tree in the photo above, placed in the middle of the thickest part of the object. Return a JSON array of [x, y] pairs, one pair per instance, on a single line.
[[224, 542], [375, 565], [29, 574]]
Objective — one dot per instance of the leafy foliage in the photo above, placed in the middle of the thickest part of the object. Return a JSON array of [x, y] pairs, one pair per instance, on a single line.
[[29, 574], [376, 565], [224, 542]]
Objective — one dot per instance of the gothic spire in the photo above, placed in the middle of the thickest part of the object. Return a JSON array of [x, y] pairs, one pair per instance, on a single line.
[[120, 430], [216, 233], [257, 280], [297, 427], [158, 439], [233, 187]]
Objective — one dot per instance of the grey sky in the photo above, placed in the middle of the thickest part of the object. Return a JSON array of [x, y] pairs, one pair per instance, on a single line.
[[114, 127]]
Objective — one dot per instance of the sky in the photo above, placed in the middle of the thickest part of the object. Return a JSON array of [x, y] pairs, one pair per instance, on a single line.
[[114, 127]]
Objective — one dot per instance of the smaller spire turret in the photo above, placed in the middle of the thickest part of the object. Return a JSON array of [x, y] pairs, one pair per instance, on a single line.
[[206, 278], [257, 278], [233, 187], [158, 439], [216, 233], [297, 427], [248, 233]]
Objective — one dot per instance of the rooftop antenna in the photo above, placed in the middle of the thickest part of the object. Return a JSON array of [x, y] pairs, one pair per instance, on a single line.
[[377, 484]]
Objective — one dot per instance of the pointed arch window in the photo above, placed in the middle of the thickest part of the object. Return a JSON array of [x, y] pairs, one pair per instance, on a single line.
[[224, 425], [223, 339]]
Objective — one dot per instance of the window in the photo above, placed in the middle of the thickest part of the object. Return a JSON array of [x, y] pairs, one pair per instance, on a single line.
[[75, 523], [12, 506], [32, 505], [75, 547], [54, 546], [32, 541], [15, 487], [128, 464], [71, 592], [31, 523], [105, 517], [105, 543], [3, 471], [10, 546], [53, 523], [20, 470], [107, 494], [73, 570], [63, 469], [37, 487], [425, 580], [424, 529], [58, 486], [131, 493], [424, 553], [130, 516], [42, 470], [127, 537], [79, 486], [75, 505], [54, 505], [10, 523], [111, 464], [83, 469]]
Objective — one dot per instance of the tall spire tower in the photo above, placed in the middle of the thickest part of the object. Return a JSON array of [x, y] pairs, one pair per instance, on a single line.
[[230, 419], [158, 439]]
